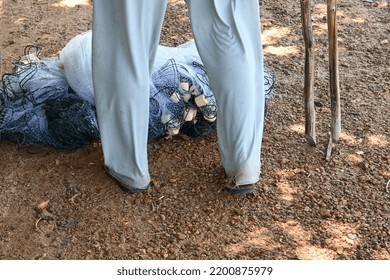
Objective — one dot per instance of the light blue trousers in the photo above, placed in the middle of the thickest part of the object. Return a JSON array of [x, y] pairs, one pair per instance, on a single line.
[[228, 37]]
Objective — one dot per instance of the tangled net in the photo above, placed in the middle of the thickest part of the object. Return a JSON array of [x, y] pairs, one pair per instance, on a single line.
[[39, 107]]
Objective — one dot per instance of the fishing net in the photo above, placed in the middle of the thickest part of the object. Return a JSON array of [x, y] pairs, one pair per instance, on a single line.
[[50, 102], [29, 111]]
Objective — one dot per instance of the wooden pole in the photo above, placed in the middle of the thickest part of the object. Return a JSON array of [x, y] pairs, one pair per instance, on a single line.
[[334, 70], [310, 118]]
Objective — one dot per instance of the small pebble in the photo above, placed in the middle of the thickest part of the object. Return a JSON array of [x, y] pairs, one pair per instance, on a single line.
[[352, 236], [181, 236]]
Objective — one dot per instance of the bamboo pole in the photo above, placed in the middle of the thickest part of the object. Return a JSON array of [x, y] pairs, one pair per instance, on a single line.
[[334, 69], [310, 129]]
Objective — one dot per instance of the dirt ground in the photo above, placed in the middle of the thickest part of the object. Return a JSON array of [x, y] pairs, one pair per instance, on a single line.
[[61, 205]]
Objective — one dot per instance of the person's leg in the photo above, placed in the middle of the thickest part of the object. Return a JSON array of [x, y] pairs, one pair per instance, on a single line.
[[124, 42], [228, 37]]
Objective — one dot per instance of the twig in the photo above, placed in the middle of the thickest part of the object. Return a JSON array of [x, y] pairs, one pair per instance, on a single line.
[[388, 186], [36, 224], [73, 197]]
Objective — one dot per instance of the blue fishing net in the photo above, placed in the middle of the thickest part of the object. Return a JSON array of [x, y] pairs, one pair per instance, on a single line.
[[27, 111], [173, 100], [39, 107]]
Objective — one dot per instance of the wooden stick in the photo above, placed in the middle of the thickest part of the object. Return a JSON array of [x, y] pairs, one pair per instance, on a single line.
[[1, 66], [329, 148], [334, 70], [310, 117]]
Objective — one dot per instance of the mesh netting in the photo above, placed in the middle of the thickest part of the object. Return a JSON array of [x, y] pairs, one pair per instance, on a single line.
[[180, 96], [29, 112], [38, 106]]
